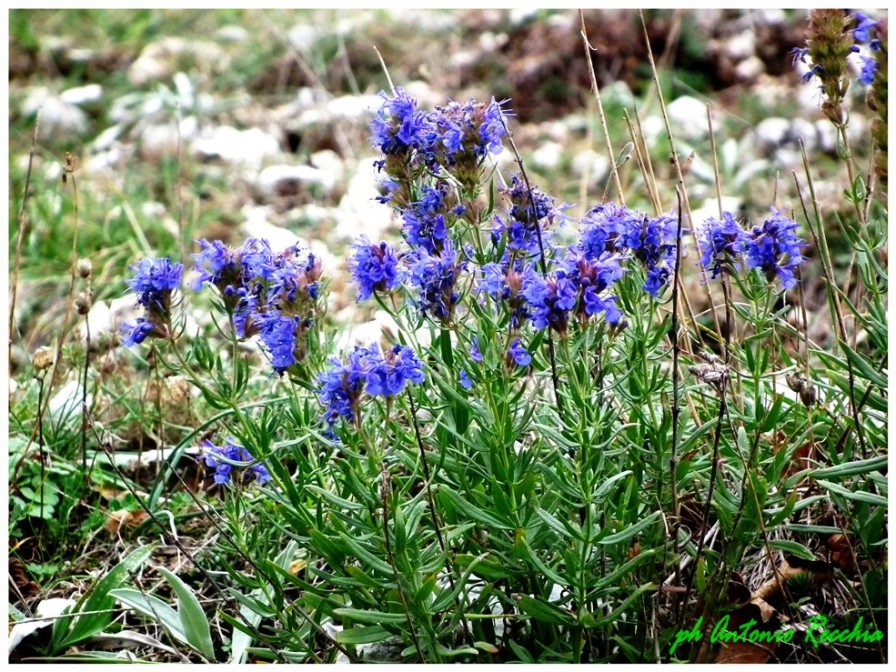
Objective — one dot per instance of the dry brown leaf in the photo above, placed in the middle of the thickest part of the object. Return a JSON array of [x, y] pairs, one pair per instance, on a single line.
[[122, 518]]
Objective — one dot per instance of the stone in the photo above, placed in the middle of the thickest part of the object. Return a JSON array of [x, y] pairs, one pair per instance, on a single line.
[[82, 95], [687, 116], [284, 181], [248, 147]]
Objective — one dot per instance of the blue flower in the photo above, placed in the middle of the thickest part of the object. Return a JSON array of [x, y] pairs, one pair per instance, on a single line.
[[235, 453], [604, 226], [520, 355], [294, 285], [865, 25], [592, 278], [426, 222], [398, 126], [281, 337], [550, 299], [388, 375], [467, 133], [139, 332], [721, 243], [504, 283], [154, 280], [374, 267], [652, 241], [341, 386], [465, 381], [869, 68], [218, 265], [774, 248], [435, 277], [475, 353]]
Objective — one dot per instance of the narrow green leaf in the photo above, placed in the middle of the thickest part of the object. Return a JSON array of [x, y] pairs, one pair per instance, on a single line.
[[368, 635], [856, 496], [153, 608], [631, 531], [793, 548], [371, 616], [851, 468], [193, 620]]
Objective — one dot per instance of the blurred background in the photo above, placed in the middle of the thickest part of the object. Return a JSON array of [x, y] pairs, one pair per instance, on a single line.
[[229, 123]]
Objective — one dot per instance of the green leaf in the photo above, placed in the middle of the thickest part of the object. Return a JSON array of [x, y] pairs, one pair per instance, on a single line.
[[153, 608], [856, 496], [368, 635], [812, 529], [793, 548], [467, 508], [97, 599], [193, 620], [631, 531], [864, 368], [544, 611], [371, 616], [851, 468]]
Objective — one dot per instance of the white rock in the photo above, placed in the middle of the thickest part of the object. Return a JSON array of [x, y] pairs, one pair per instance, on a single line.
[[66, 402], [107, 139], [303, 37], [107, 317], [594, 165], [358, 211], [160, 60], [749, 69], [741, 46], [805, 130], [548, 155], [772, 132], [164, 139], [617, 93], [330, 163], [82, 95], [256, 225], [249, 147], [58, 118], [827, 136], [687, 116], [47, 612], [284, 180], [232, 33]]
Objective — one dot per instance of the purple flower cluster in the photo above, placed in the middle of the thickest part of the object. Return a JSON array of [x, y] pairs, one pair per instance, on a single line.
[[341, 386], [374, 267], [862, 35], [722, 241], [271, 294], [398, 126], [775, 249], [613, 228], [232, 452], [604, 226], [529, 217], [154, 281], [435, 278], [428, 220], [456, 136], [504, 284]]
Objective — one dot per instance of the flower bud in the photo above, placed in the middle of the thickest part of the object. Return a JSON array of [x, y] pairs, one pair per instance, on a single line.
[[795, 381], [808, 396], [82, 303], [43, 358], [85, 268]]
